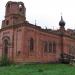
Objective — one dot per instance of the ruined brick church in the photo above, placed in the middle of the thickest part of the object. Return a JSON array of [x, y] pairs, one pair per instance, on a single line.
[[21, 41]]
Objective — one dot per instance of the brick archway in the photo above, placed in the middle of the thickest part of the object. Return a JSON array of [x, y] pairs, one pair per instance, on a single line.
[[6, 43], [5, 49]]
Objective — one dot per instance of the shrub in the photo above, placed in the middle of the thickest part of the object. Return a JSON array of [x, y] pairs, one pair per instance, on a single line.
[[4, 61], [40, 70]]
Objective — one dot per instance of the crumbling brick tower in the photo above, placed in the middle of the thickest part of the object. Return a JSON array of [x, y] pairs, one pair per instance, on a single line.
[[15, 13]]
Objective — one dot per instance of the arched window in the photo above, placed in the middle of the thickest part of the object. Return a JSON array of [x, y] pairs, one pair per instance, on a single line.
[[54, 47], [45, 46], [50, 46], [31, 45]]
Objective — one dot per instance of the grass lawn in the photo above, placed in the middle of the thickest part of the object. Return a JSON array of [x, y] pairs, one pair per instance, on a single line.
[[38, 69]]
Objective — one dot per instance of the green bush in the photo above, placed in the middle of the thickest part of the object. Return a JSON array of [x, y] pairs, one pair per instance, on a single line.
[[4, 61], [40, 70]]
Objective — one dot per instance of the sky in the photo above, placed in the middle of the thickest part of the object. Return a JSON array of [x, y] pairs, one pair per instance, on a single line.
[[47, 13]]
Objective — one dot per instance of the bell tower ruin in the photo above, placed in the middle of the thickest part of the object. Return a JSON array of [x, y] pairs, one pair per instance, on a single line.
[[15, 13]]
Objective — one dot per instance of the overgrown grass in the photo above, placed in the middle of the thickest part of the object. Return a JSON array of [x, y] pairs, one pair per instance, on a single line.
[[38, 69]]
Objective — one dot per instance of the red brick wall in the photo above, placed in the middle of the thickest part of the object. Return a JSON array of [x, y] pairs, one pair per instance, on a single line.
[[20, 31]]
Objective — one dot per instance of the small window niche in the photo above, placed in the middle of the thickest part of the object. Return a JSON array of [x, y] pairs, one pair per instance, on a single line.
[[8, 5], [18, 53], [7, 22], [20, 7], [8, 8]]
